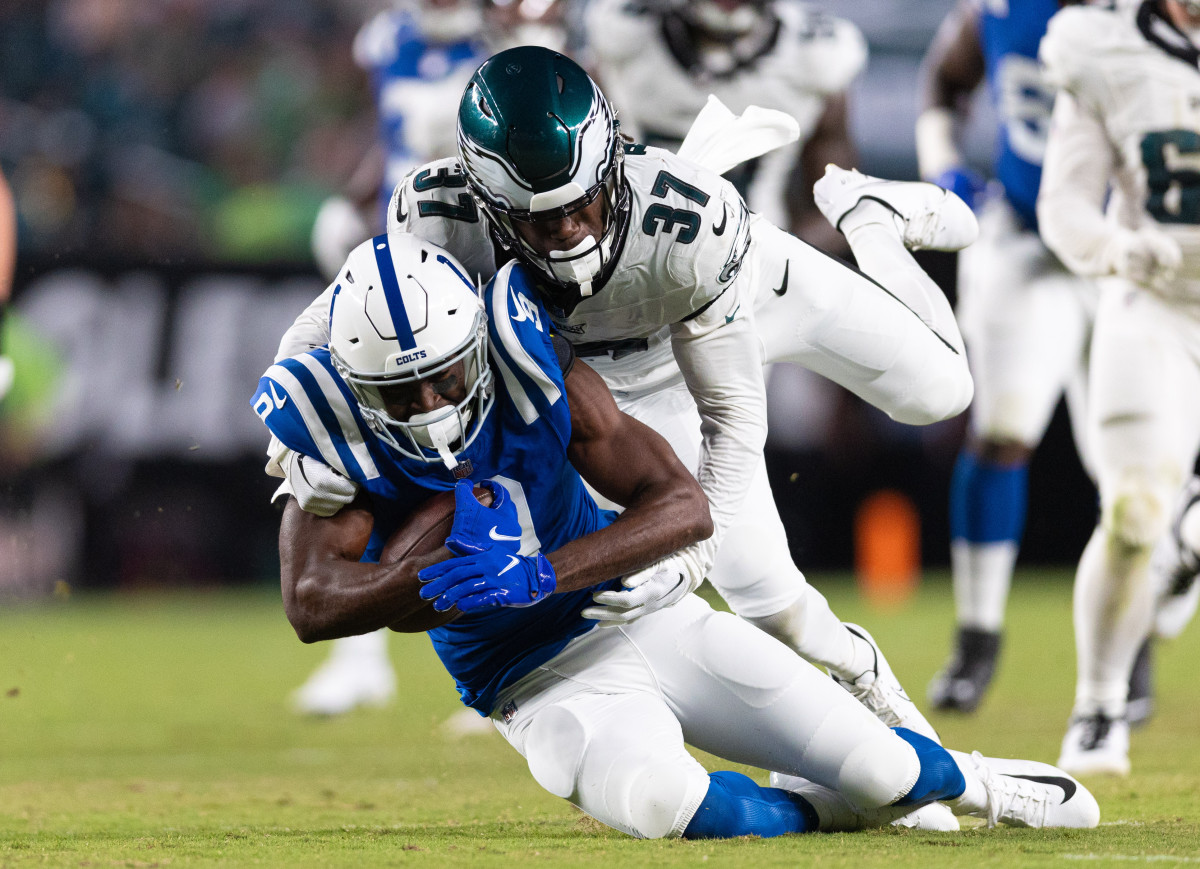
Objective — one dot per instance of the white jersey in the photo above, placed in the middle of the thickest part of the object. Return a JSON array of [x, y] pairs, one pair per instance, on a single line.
[[688, 230], [1135, 86], [658, 83]]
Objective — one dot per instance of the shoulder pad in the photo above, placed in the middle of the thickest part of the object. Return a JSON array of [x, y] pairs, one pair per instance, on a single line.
[[311, 411], [522, 349], [1072, 52], [433, 202]]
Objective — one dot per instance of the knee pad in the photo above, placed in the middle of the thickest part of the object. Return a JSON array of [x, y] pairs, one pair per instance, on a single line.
[[879, 771], [1137, 514], [658, 796], [556, 744]]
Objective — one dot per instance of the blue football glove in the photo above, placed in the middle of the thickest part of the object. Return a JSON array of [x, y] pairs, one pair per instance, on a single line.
[[478, 528], [968, 184], [489, 579]]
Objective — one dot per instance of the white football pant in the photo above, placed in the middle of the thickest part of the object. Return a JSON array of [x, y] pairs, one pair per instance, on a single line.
[[603, 723]]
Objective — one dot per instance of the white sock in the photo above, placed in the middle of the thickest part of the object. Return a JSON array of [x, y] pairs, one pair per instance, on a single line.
[[982, 578], [810, 629]]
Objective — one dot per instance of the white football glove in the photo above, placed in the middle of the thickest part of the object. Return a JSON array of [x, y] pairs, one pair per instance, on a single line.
[[662, 584], [317, 488], [338, 229], [1145, 256]]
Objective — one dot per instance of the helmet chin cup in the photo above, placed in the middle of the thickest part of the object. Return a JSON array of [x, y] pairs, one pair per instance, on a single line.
[[581, 264], [438, 429]]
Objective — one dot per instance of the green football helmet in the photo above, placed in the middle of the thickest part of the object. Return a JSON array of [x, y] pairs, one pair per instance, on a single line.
[[538, 140]]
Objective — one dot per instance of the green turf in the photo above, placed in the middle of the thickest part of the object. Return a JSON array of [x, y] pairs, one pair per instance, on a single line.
[[153, 730]]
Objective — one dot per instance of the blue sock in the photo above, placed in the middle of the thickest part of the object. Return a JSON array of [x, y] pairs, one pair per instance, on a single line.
[[736, 806], [987, 502], [940, 777]]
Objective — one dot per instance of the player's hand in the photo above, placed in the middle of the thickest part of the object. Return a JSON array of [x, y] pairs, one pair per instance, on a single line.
[[478, 528], [489, 579], [317, 488], [1145, 256], [649, 590], [965, 182]]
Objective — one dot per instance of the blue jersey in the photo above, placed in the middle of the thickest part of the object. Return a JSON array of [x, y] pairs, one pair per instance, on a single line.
[[416, 84], [522, 445], [1009, 33]]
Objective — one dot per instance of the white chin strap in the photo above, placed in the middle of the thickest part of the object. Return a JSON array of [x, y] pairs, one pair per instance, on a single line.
[[439, 432], [581, 265]]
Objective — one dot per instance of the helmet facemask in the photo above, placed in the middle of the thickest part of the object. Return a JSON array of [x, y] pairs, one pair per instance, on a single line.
[[447, 431]]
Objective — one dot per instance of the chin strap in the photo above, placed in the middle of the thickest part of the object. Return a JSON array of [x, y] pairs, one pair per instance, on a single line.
[[438, 434]]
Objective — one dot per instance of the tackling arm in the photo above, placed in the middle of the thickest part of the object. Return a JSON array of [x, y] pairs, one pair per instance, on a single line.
[[328, 593], [629, 463]]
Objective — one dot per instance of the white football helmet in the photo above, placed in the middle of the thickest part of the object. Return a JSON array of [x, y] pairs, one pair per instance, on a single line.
[[403, 310]]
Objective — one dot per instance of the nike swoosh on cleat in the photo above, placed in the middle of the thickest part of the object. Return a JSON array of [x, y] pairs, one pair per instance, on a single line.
[[720, 230], [512, 562], [496, 535], [1058, 781], [782, 288]]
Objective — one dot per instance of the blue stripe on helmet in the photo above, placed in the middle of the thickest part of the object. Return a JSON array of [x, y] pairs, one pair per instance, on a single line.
[[333, 301], [391, 292]]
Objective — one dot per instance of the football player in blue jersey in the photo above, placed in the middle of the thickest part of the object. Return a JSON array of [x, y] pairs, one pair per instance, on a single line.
[[425, 387], [1026, 319]]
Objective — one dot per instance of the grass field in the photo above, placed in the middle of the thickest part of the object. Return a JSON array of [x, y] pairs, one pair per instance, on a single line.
[[153, 731]]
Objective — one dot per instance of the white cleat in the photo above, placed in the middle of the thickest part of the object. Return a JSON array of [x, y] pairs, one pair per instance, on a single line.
[[345, 682], [927, 216], [880, 691], [1096, 745], [1025, 793], [838, 815]]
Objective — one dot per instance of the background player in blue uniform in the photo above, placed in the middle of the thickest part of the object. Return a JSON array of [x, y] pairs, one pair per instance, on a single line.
[[1025, 318], [403, 402], [418, 57]]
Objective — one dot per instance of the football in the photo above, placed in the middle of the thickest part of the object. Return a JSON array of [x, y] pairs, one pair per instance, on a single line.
[[423, 533]]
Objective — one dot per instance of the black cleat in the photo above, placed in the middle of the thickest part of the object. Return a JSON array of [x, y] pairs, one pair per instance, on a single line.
[[961, 685], [1139, 705]]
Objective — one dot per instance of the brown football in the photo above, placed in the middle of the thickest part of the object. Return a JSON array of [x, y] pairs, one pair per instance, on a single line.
[[423, 533]]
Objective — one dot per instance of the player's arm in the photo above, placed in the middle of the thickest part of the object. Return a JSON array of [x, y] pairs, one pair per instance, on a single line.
[[631, 464], [952, 69], [720, 357], [829, 143], [328, 593]]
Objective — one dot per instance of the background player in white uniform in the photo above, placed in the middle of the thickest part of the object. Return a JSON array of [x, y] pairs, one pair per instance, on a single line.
[[1025, 317], [654, 269], [659, 61], [1127, 115], [601, 715]]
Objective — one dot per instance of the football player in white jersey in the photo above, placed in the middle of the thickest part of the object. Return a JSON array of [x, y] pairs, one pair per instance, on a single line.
[[1120, 199], [655, 270], [1026, 318], [425, 387], [660, 59]]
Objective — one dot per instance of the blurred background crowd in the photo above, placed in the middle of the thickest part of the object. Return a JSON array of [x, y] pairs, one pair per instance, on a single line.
[[168, 160]]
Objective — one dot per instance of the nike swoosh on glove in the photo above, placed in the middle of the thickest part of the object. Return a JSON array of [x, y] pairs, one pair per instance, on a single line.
[[486, 580], [478, 528], [648, 590]]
